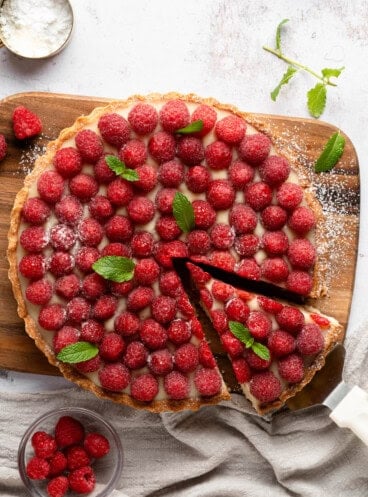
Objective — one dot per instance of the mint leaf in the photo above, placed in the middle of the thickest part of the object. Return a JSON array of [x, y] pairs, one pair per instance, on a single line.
[[331, 73], [193, 127], [115, 268], [183, 212], [278, 34], [331, 153], [130, 175], [284, 81], [120, 169], [261, 351], [241, 333], [316, 99], [77, 352]]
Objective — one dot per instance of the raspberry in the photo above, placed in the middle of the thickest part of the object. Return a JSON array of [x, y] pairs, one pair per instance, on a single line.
[[281, 343], [248, 268], [39, 292], [222, 291], [164, 200], [32, 266], [190, 150], [275, 243], [199, 242], [92, 331], [289, 195], [119, 192], [147, 175], [243, 219], [69, 210], [255, 148], [100, 208], [310, 340], [265, 386], [230, 129], [197, 179], [161, 362], [146, 271], [142, 244], [241, 369], [68, 431], [68, 162], [290, 319], [114, 129], [96, 445], [179, 332], [44, 445], [153, 334], [57, 487], [205, 355], [199, 276], [93, 286], [219, 320], [62, 237], [246, 245], [186, 358], [83, 186], [78, 310], [127, 323], [143, 118], [82, 480], [302, 254], [269, 305], [275, 270], [77, 457], [114, 377], [176, 385], [218, 155], [237, 310], [232, 345], [61, 263], [136, 355], [105, 307], [37, 468], [141, 210], [139, 298], [26, 124], [258, 195], [206, 298], [208, 117], [103, 173], [299, 282], [121, 289], [273, 217], [170, 284], [133, 153], [52, 317], [144, 388], [167, 228], [174, 115], [291, 368], [171, 174], [34, 239], [220, 194], [3, 147], [184, 306], [259, 325], [196, 329], [119, 229], [163, 309], [89, 366], [162, 146], [89, 145], [240, 174], [65, 336], [223, 260], [112, 347], [222, 236], [50, 186], [90, 232], [302, 220], [35, 211], [274, 170], [207, 382], [85, 257], [166, 251], [57, 463], [322, 321], [204, 215]]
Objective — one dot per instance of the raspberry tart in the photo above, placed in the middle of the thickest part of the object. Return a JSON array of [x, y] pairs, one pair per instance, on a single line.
[[113, 202]]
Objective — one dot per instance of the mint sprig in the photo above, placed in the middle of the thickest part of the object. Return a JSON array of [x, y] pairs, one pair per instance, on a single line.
[[183, 212], [243, 334], [120, 169], [115, 268], [316, 96], [193, 127], [77, 352], [331, 153]]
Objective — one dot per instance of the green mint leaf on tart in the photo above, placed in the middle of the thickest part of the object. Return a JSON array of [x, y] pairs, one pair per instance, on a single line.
[[261, 351], [119, 168], [278, 33], [193, 127], [241, 333], [115, 268], [183, 212], [284, 81], [77, 352], [316, 99], [331, 153]]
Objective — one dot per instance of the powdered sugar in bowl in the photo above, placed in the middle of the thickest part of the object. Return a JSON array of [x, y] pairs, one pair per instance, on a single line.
[[35, 29]]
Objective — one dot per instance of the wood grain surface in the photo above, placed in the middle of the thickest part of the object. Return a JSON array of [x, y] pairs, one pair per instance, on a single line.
[[301, 140]]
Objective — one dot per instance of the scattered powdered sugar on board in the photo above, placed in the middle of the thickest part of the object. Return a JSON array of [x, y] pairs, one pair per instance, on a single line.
[[29, 157]]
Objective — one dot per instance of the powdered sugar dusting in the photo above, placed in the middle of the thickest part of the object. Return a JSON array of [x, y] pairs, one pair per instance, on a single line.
[[29, 157]]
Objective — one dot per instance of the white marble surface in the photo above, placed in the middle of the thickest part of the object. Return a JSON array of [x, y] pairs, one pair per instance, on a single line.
[[211, 47]]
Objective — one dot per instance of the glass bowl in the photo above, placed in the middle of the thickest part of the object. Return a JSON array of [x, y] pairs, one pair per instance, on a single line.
[[107, 469]]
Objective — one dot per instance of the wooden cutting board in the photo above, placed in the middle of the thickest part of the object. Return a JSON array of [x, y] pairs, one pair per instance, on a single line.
[[300, 139]]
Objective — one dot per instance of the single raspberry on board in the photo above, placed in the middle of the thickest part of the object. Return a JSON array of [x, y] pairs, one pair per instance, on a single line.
[[142, 244], [62, 237], [255, 362], [93, 286], [26, 124], [127, 323], [199, 242], [248, 268], [237, 310], [205, 355], [247, 245], [100, 208], [78, 310], [105, 307], [275, 243], [61, 263], [57, 463], [139, 298], [232, 345], [119, 229], [170, 284], [166, 251], [299, 282], [301, 253], [204, 214], [103, 173], [164, 200]]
